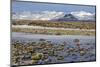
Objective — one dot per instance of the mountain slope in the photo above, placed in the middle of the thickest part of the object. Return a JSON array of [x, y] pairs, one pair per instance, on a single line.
[[68, 17]]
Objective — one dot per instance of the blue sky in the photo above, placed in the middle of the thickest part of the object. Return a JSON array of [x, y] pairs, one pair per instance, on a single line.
[[31, 6]]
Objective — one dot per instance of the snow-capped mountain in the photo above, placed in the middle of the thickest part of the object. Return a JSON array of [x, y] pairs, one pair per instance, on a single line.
[[53, 15]]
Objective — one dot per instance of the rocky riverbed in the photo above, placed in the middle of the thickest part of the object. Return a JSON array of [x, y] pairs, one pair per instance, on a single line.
[[44, 51]]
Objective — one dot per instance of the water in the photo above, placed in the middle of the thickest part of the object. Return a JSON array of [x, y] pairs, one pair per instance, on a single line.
[[53, 38], [85, 41]]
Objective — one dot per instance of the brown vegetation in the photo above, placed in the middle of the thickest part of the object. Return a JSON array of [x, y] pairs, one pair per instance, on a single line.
[[80, 25]]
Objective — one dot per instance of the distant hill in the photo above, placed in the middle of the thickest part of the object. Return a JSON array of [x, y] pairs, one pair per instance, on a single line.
[[68, 17]]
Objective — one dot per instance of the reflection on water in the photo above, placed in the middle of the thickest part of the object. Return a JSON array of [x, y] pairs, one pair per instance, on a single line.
[[53, 38], [45, 49]]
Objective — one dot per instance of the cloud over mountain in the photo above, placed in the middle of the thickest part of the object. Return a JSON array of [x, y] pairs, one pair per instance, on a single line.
[[44, 15], [82, 15], [53, 15]]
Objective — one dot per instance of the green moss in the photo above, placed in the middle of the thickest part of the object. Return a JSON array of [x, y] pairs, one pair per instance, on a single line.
[[38, 56], [60, 58]]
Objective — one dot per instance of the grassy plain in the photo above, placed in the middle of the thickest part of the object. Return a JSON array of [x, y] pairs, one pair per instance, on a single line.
[[58, 24], [71, 25], [53, 32]]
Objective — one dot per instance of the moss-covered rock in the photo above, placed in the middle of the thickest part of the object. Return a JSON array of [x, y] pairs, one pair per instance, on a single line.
[[37, 56], [60, 58]]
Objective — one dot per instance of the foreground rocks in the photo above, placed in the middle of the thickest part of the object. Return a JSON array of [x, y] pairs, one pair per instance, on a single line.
[[46, 52]]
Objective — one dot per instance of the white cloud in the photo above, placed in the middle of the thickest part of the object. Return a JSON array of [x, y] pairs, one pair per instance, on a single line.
[[44, 15], [50, 15], [82, 15]]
